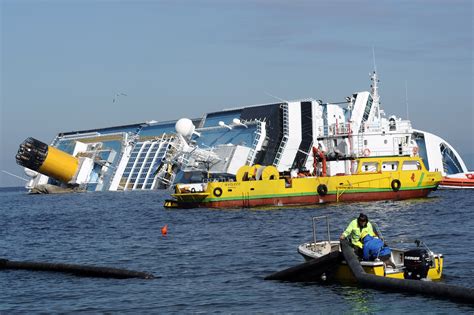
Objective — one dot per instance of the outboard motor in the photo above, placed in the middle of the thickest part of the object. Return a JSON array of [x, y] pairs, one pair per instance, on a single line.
[[417, 263]]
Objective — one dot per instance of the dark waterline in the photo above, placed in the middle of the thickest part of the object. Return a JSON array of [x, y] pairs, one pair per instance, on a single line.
[[211, 260]]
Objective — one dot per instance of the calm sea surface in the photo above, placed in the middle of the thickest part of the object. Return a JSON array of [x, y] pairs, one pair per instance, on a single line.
[[211, 261]]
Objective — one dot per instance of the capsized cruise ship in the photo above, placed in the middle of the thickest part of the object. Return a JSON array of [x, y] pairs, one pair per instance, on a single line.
[[154, 155]]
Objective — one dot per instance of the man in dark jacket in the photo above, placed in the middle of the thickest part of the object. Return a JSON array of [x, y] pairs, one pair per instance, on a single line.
[[375, 248]]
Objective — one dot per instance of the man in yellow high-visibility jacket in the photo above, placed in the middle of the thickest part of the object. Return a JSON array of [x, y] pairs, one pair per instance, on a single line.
[[354, 230]]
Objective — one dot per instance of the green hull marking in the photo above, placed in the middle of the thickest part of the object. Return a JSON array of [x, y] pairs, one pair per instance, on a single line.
[[348, 191], [421, 179]]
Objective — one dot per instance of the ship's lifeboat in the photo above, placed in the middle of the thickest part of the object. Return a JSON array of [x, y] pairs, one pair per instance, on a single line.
[[460, 180]]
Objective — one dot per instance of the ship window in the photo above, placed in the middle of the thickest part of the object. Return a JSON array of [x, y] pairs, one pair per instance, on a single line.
[[385, 141], [367, 110], [411, 166], [392, 124], [368, 167], [389, 166], [365, 142]]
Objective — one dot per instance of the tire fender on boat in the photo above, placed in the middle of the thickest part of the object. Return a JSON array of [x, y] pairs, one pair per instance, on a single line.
[[396, 185], [322, 190], [217, 192]]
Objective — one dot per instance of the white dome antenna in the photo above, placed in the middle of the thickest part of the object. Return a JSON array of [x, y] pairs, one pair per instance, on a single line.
[[222, 124], [185, 128], [237, 122]]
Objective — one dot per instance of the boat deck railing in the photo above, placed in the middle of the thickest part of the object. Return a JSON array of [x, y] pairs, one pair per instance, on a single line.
[[320, 218]]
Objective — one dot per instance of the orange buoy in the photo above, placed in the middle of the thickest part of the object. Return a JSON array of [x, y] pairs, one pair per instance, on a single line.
[[164, 230]]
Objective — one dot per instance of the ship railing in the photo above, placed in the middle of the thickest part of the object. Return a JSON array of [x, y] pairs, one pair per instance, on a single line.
[[404, 125], [218, 180], [340, 190], [405, 151], [321, 218], [339, 129], [366, 127], [84, 135]]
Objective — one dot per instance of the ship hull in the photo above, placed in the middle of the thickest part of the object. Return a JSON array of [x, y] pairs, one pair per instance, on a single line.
[[465, 181], [270, 189], [283, 200]]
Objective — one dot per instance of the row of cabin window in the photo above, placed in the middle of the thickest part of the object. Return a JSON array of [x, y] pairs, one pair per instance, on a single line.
[[390, 166]]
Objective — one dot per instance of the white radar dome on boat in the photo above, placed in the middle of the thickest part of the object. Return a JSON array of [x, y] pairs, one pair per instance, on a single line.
[[185, 127]]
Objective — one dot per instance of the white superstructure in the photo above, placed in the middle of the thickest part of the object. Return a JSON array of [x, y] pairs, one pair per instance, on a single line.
[[154, 155]]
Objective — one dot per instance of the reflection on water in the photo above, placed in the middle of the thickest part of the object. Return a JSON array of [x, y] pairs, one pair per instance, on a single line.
[[359, 299]]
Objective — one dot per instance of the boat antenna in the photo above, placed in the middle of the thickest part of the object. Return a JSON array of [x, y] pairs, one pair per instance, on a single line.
[[374, 86], [276, 97], [373, 56], [406, 98]]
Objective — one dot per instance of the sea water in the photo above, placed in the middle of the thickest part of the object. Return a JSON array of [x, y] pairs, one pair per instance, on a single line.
[[212, 261]]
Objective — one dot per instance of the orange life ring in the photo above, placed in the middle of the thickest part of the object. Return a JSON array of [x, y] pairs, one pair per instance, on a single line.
[[415, 150], [366, 152], [470, 176]]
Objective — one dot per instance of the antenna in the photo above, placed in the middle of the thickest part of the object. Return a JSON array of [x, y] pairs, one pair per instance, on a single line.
[[275, 97], [406, 98], [373, 56]]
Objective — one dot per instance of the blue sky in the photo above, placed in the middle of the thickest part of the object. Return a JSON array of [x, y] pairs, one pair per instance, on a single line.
[[63, 61]]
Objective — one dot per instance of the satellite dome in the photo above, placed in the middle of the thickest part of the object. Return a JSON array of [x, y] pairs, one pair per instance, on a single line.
[[185, 127]]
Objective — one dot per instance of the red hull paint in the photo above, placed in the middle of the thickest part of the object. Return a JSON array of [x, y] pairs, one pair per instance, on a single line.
[[311, 200], [457, 182]]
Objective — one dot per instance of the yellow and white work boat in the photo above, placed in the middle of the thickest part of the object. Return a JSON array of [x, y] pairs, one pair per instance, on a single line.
[[415, 263], [373, 178]]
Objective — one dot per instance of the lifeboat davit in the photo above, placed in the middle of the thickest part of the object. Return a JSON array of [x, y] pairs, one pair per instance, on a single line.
[[459, 180]]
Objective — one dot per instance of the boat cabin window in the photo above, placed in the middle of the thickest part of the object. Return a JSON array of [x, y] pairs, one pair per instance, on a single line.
[[389, 166], [411, 166], [368, 167], [392, 124]]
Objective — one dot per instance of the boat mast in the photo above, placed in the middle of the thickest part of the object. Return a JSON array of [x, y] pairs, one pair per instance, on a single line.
[[374, 89]]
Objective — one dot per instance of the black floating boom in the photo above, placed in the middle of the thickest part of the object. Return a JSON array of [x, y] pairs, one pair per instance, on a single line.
[[433, 289], [79, 270], [309, 271]]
